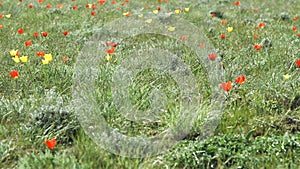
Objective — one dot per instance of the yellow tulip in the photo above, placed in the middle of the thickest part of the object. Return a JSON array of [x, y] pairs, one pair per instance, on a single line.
[[48, 57], [45, 62], [177, 11], [171, 29], [8, 15], [108, 58], [24, 59], [16, 59], [286, 76], [148, 21], [13, 52], [230, 29]]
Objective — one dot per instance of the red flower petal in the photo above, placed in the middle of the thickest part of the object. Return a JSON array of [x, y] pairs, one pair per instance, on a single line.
[[14, 74], [212, 56], [227, 86], [298, 63], [51, 143], [241, 79]]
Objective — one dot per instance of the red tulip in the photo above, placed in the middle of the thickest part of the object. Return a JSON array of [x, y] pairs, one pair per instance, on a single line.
[[227, 86], [14, 74], [212, 56], [51, 143], [241, 79], [45, 34]]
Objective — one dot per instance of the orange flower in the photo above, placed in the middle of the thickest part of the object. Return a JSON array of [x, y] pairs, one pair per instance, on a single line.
[[45, 34], [202, 45], [36, 34], [1, 26], [255, 36], [48, 6], [60, 6], [212, 56], [224, 22], [51, 143], [127, 14], [223, 36], [64, 59], [241, 79], [94, 6], [75, 7], [93, 13], [40, 54], [114, 44], [237, 3], [227, 86], [30, 6], [21, 31], [298, 63], [110, 51], [262, 25], [101, 2], [257, 46], [14, 74], [28, 43], [294, 28], [108, 43], [65, 33], [182, 38], [295, 18]]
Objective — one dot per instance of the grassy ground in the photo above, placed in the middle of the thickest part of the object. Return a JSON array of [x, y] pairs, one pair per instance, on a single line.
[[261, 120]]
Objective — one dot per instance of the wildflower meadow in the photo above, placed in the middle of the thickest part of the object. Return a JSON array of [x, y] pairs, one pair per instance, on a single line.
[[149, 84]]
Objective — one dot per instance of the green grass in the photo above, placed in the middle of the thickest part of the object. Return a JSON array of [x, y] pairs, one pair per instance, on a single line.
[[260, 124]]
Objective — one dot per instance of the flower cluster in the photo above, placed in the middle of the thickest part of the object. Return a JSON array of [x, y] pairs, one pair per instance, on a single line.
[[227, 86]]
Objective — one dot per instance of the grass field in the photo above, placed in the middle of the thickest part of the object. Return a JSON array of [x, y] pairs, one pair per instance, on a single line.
[[256, 45]]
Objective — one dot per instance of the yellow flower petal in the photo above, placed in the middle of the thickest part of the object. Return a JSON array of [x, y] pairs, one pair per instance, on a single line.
[[108, 58], [16, 59], [177, 11], [45, 62], [286, 76], [186, 9], [148, 21], [8, 15], [24, 59], [230, 29], [89, 5], [171, 28], [48, 57], [155, 11], [13, 52], [140, 15]]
